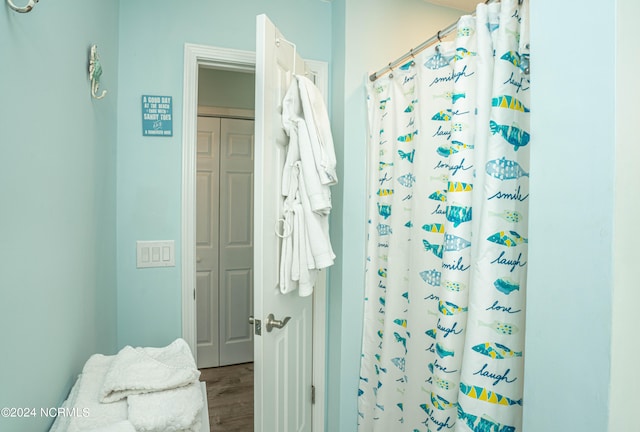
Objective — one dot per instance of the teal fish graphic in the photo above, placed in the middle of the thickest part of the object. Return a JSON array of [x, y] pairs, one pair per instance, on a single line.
[[510, 239], [411, 106], [409, 224], [444, 115], [435, 248], [448, 308], [383, 103], [434, 228], [401, 322], [440, 403], [384, 210], [508, 215], [407, 155], [506, 286], [458, 214], [513, 135], [454, 286], [482, 424], [495, 350], [406, 66], [383, 165], [408, 137], [439, 195], [382, 272], [399, 362], [509, 102], [431, 333], [461, 53], [455, 243], [501, 327], [512, 57], [481, 393], [444, 151], [402, 340], [438, 61], [432, 277], [442, 352], [505, 169], [384, 229], [380, 334], [457, 96], [407, 180], [457, 146]]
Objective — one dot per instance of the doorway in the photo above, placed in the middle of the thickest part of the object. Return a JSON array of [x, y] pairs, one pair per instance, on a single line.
[[237, 61]]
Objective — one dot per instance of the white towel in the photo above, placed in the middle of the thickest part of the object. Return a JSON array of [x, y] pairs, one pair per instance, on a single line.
[[97, 414], [122, 426], [144, 370], [176, 410]]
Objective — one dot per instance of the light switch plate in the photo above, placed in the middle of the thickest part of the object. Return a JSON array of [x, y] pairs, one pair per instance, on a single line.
[[156, 253]]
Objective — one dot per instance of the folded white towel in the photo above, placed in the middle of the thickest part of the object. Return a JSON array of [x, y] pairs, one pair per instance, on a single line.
[[89, 385], [176, 410], [145, 370]]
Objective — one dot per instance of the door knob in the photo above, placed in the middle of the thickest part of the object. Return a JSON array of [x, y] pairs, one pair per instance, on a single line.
[[274, 323]]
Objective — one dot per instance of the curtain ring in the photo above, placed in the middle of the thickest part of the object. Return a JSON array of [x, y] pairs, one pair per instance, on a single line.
[[413, 58], [439, 38], [390, 71]]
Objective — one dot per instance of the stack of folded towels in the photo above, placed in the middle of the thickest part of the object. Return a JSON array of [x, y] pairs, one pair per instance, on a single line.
[[137, 390]]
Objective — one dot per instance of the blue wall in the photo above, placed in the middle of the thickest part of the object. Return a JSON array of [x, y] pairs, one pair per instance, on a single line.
[[569, 292], [152, 38], [58, 197]]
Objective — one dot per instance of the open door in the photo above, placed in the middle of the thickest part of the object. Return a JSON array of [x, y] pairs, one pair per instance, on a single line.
[[283, 356]]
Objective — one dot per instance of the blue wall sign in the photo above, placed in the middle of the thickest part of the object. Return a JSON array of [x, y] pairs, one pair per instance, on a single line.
[[157, 116]]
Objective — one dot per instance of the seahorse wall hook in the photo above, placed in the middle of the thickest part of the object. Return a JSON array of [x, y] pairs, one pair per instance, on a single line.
[[22, 9], [95, 71]]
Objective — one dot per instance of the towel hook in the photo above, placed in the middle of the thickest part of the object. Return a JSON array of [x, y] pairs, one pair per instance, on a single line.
[[95, 72], [22, 9]]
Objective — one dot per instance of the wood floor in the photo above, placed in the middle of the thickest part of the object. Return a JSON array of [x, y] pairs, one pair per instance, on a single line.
[[230, 397]]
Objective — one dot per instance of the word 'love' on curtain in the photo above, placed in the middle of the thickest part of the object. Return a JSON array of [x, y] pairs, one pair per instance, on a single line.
[[443, 342]]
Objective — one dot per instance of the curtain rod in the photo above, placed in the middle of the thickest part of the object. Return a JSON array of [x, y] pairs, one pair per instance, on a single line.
[[424, 45]]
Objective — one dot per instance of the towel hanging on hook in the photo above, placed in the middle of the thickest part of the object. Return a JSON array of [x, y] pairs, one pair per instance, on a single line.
[[22, 9]]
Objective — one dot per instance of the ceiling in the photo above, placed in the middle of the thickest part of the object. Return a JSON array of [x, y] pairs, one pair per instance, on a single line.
[[463, 5]]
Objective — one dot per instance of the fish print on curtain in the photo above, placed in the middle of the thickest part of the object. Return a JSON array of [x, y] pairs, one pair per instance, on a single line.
[[447, 235]]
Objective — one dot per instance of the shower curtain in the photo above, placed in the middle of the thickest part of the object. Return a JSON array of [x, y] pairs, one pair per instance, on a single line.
[[443, 342]]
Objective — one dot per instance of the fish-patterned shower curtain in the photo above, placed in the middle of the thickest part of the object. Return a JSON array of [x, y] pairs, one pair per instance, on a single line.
[[443, 342]]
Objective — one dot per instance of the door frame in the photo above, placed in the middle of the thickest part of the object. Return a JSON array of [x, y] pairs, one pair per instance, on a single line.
[[240, 61]]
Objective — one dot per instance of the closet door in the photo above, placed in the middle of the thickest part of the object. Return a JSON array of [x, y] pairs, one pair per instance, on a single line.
[[236, 240], [207, 223]]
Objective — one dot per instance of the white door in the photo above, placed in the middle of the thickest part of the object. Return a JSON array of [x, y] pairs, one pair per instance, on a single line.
[[224, 240], [283, 357], [236, 240], [207, 211]]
